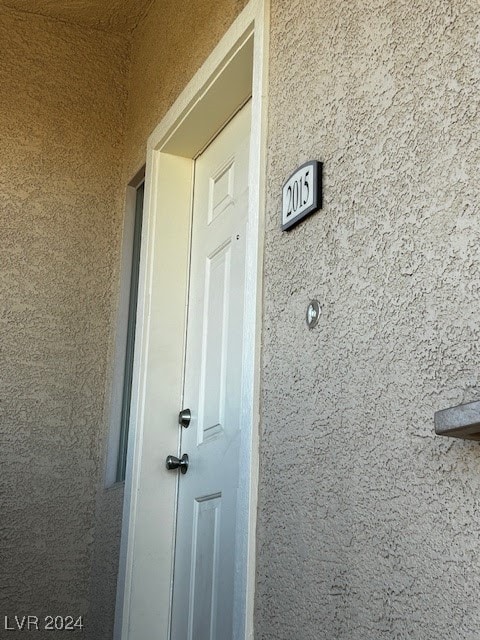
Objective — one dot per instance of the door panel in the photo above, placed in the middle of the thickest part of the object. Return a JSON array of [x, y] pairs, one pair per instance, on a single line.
[[207, 515], [206, 554], [211, 401]]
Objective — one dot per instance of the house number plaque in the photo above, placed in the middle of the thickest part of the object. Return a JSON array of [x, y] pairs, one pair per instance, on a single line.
[[302, 194]]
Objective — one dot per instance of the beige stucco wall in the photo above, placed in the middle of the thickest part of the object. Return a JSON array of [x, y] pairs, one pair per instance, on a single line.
[[368, 522], [118, 16], [66, 161], [62, 108], [168, 47]]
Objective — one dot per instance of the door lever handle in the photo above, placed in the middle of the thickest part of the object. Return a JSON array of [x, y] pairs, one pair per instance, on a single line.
[[172, 462], [184, 417]]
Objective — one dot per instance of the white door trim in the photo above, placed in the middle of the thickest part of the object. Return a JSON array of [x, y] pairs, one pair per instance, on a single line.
[[210, 98]]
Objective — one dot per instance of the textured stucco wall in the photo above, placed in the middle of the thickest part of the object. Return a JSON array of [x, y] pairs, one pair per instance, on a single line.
[[103, 579], [168, 47], [62, 109], [120, 16], [369, 523]]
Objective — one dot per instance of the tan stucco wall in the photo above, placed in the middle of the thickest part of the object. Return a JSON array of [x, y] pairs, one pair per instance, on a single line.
[[62, 108], [168, 47], [106, 547], [119, 16], [368, 522]]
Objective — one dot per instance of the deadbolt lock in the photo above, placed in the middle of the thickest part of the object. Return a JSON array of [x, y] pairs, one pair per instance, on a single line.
[[184, 417]]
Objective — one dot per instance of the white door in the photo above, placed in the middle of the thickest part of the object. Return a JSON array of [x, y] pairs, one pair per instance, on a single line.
[[209, 542]]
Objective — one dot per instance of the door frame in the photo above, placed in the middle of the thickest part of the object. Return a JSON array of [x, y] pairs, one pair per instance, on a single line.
[[235, 70]]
